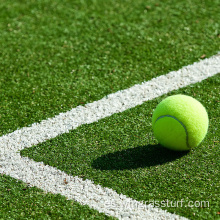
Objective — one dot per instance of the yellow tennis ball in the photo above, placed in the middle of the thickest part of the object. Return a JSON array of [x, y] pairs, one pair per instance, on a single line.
[[180, 122]]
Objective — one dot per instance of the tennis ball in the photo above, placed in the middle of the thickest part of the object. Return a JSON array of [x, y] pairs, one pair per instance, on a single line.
[[180, 122]]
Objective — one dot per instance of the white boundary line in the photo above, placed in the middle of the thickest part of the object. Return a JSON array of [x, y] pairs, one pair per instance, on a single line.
[[51, 179]]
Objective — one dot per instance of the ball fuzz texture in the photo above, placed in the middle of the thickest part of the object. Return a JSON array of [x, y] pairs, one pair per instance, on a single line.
[[180, 122]]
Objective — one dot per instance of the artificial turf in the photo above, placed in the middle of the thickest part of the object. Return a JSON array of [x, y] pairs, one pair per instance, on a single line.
[[56, 55], [120, 152], [19, 201]]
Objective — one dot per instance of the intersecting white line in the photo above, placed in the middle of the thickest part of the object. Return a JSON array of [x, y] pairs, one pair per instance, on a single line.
[[51, 179]]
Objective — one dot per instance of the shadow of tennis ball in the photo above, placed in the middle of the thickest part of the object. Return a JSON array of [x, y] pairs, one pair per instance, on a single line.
[[132, 158]]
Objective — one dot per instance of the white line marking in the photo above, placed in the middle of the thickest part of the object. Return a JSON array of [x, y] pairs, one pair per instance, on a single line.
[[51, 179]]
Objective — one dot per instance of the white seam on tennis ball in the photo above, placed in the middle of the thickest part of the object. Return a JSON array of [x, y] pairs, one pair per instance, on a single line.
[[170, 116]]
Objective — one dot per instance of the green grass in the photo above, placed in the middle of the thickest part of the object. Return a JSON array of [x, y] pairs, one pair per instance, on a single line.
[[120, 152], [19, 201], [56, 55]]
